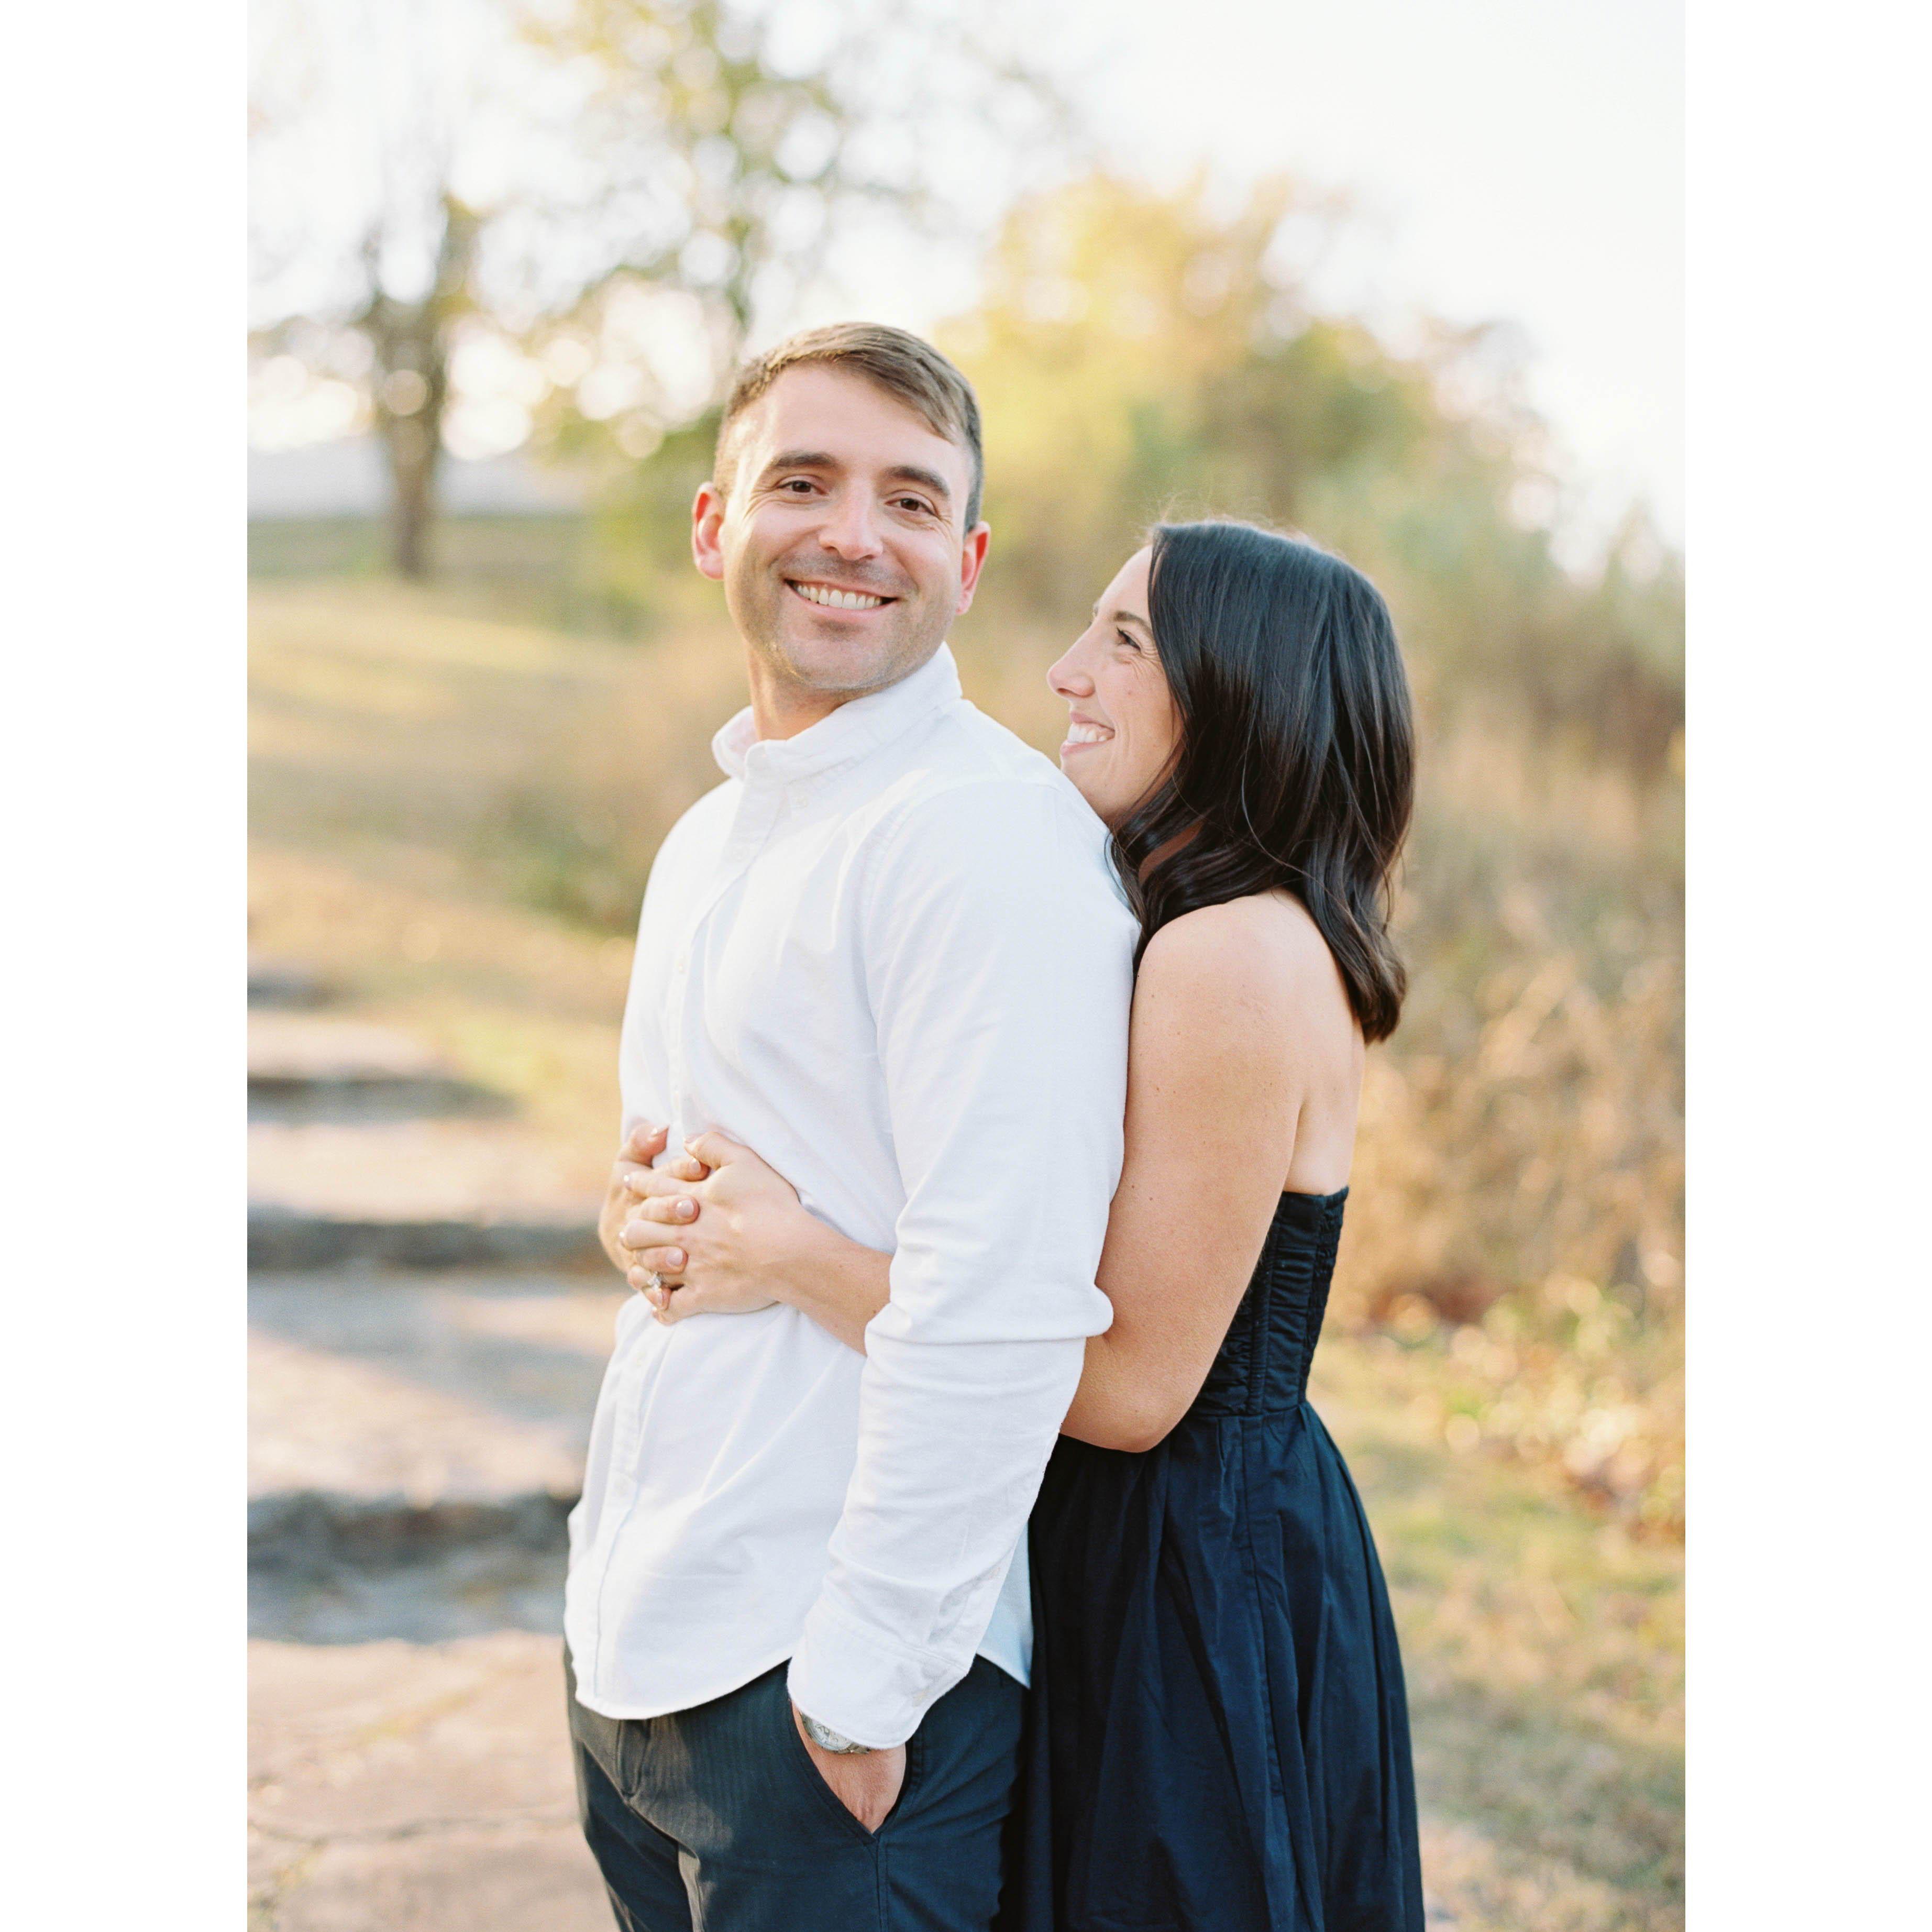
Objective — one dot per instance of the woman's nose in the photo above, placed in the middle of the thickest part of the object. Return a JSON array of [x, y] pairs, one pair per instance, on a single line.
[[1067, 680]]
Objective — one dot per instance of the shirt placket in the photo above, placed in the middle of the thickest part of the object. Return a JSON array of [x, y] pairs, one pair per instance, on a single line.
[[759, 814]]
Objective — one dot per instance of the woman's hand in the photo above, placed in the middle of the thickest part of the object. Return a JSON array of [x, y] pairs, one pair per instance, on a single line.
[[719, 1228], [717, 1231], [642, 1142]]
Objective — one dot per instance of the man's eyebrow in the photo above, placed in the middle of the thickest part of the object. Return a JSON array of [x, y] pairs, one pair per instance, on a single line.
[[801, 459], [906, 472]]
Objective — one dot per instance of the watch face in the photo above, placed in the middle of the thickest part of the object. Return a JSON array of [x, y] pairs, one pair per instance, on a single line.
[[827, 1739]]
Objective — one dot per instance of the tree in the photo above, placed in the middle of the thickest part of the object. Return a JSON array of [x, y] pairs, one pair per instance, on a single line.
[[1141, 354], [411, 341], [570, 156]]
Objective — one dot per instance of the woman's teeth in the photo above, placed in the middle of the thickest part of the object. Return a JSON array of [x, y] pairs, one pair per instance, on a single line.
[[837, 600], [1088, 734]]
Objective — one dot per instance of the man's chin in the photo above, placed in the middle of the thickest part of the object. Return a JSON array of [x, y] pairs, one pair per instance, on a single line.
[[831, 665]]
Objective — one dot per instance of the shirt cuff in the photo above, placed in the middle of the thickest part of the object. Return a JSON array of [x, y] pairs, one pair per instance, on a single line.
[[871, 1692]]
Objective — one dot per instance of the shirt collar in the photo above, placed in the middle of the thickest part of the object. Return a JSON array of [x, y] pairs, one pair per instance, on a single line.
[[847, 735]]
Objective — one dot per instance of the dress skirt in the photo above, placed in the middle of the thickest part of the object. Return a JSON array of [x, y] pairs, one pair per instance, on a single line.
[[1219, 1738]]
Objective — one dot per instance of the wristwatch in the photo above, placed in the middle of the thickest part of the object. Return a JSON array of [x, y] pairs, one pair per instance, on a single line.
[[827, 1739]]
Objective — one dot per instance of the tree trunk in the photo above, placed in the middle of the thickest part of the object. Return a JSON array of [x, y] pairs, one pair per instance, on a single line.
[[412, 342], [413, 446]]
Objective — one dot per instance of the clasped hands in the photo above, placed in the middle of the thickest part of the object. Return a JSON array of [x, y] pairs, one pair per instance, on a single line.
[[702, 1235]]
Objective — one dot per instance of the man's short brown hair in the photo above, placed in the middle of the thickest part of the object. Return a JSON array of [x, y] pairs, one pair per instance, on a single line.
[[895, 360]]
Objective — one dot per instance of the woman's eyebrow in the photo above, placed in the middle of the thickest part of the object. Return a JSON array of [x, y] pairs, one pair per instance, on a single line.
[[1126, 617]]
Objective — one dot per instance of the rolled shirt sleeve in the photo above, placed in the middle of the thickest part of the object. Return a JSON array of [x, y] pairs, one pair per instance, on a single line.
[[998, 963]]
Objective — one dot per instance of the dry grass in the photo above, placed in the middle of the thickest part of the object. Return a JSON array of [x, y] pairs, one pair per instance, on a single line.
[[453, 813], [1543, 1651]]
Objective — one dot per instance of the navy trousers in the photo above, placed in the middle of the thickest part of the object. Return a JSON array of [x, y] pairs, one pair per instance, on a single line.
[[716, 1818]]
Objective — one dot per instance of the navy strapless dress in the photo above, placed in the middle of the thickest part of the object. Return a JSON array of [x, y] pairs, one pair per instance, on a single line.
[[1219, 1738]]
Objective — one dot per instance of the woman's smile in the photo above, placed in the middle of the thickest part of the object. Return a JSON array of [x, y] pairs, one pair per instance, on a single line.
[[1082, 733], [1114, 662]]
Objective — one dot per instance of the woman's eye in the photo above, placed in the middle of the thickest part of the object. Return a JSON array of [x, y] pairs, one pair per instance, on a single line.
[[1129, 639]]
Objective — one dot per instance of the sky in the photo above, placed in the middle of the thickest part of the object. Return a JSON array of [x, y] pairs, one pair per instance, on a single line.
[[1518, 159], [1511, 160]]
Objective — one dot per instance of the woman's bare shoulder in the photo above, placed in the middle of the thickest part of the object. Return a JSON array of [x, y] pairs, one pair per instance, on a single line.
[[1264, 948], [1249, 980]]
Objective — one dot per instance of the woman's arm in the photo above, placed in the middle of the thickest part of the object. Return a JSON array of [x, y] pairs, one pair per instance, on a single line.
[[1223, 1010], [725, 1233], [1231, 1003]]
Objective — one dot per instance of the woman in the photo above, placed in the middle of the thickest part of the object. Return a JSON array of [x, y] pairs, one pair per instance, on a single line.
[[1220, 1739]]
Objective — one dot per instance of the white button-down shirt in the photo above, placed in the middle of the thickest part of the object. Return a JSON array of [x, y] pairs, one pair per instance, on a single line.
[[890, 956]]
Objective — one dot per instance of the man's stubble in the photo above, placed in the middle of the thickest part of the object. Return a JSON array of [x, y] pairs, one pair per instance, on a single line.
[[838, 662]]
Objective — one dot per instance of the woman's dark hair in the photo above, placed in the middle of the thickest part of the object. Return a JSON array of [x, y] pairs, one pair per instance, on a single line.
[[1296, 764]]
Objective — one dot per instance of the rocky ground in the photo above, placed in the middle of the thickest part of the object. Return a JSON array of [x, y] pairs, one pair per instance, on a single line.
[[420, 1785], [425, 1341]]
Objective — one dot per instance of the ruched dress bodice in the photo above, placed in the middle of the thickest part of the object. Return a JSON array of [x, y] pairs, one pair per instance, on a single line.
[[1262, 1365], [1218, 1740]]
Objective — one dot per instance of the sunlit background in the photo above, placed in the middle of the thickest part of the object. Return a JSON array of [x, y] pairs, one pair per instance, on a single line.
[[1403, 276]]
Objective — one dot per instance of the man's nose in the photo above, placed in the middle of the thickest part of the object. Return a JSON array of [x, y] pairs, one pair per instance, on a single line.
[[851, 529]]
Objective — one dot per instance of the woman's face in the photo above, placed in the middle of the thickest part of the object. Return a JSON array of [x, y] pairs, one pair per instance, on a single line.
[[1123, 728]]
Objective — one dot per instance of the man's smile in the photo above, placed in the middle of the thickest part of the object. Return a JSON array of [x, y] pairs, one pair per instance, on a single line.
[[832, 597]]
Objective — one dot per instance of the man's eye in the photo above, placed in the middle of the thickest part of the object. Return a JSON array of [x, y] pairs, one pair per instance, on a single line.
[[916, 504], [796, 483]]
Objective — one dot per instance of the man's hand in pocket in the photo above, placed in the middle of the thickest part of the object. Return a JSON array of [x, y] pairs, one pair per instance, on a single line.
[[866, 1782]]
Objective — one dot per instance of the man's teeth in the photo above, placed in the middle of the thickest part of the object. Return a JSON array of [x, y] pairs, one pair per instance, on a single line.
[[1088, 734], [837, 600]]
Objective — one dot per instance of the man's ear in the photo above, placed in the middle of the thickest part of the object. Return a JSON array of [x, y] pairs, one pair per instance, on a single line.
[[973, 561], [707, 524]]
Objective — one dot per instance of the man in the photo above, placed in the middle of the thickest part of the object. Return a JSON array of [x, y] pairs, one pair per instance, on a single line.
[[888, 954]]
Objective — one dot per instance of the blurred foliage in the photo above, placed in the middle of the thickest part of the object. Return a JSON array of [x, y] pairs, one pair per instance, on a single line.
[[1140, 354], [643, 523], [657, 175]]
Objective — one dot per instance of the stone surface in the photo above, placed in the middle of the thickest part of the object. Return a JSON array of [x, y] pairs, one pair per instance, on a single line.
[[397, 1787], [286, 983], [301, 1046], [470, 1590], [392, 1419], [414, 1443], [418, 1170], [416, 1193], [305, 1067], [283, 1238], [358, 1429], [462, 1386]]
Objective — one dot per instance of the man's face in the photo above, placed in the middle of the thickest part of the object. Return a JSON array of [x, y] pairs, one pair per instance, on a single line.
[[840, 546]]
